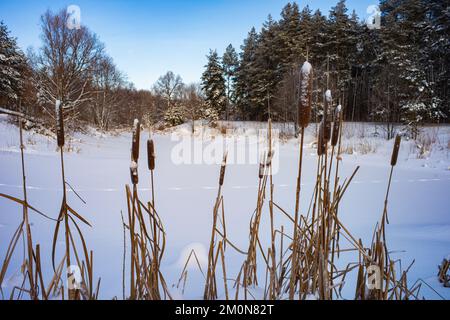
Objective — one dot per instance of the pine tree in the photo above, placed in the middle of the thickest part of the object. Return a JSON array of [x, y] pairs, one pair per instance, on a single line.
[[341, 43], [307, 32], [269, 69], [230, 62], [437, 41], [291, 50], [12, 65], [213, 84], [247, 70], [318, 51], [411, 91]]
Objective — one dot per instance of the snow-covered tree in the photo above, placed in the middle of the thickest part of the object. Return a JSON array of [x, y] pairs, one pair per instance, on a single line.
[[213, 84], [169, 87], [106, 100], [230, 62], [174, 115], [64, 65], [12, 65], [247, 70]]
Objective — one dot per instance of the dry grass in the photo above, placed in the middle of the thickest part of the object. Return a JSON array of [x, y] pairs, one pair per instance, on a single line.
[[147, 237], [298, 264], [33, 282]]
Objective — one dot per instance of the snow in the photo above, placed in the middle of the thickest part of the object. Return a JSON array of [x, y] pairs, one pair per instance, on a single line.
[[306, 68], [98, 169], [328, 96]]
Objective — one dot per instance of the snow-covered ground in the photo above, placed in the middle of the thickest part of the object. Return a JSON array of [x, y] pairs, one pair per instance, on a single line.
[[98, 168]]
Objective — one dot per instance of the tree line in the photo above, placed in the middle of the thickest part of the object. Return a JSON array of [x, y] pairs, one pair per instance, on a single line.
[[398, 73], [72, 67]]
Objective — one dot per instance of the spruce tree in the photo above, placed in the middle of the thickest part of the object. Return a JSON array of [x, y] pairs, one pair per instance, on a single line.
[[230, 62], [269, 69], [245, 85], [12, 66], [213, 84]]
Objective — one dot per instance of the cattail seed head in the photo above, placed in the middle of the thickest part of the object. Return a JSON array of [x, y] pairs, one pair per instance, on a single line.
[[136, 141], [59, 123], [306, 87], [398, 140], [262, 166], [151, 154], [134, 172], [261, 170], [321, 143], [327, 131], [270, 158], [222, 170], [326, 120], [336, 126]]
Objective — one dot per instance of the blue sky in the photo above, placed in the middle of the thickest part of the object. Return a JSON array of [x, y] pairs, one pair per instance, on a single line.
[[148, 38]]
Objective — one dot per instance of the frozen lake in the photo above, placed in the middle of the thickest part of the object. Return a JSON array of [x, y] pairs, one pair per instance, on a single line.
[[419, 206]]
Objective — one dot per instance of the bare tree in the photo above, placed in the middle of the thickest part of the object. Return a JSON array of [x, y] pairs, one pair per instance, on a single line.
[[65, 62], [106, 97], [169, 86], [193, 102]]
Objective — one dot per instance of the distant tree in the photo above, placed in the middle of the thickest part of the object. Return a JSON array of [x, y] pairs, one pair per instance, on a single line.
[[230, 62], [169, 86], [194, 103], [213, 84], [12, 67], [245, 86], [269, 69], [291, 47], [106, 100], [64, 65]]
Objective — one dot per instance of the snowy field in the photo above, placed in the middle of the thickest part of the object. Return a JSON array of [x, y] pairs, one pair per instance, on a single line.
[[98, 169]]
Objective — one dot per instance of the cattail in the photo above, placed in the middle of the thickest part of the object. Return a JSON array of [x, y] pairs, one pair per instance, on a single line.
[[336, 126], [326, 121], [151, 154], [262, 166], [136, 140], [134, 172], [59, 123], [222, 170], [261, 170], [306, 86], [270, 158], [321, 143], [398, 140]]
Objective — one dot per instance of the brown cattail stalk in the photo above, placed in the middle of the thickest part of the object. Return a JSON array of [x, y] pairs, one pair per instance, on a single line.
[[336, 126], [304, 116], [326, 121], [134, 172], [59, 123], [306, 86], [151, 154], [222, 170], [135, 152], [398, 140], [261, 170], [321, 142], [136, 141]]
